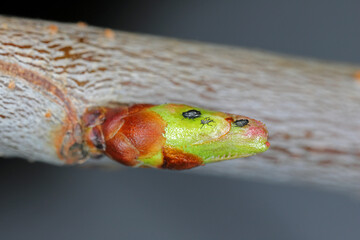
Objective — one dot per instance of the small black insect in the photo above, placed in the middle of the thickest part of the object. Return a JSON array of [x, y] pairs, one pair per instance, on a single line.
[[206, 121], [191, 114], [241, 122]]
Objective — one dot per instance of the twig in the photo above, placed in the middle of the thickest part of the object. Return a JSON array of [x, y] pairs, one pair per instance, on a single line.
[[50, 72]]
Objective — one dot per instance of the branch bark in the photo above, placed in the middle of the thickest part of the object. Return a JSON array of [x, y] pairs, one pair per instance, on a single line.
[[51, 72]]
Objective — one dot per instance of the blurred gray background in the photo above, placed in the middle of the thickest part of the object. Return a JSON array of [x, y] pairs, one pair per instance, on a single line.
[[39, 201]]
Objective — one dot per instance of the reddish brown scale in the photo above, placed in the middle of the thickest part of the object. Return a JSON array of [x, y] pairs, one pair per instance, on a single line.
[[176, 159], [145, 131], [121, 149], [112, 125], [125, 134]]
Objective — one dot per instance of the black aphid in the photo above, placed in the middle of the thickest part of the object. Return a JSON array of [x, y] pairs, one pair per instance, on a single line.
[[241, 122], [206, 121], [191, 114]]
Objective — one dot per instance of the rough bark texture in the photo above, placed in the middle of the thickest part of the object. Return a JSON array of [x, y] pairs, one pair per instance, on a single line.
[[50, 72]]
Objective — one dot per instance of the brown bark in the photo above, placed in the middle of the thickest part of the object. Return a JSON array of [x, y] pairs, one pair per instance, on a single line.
[[50, 72]]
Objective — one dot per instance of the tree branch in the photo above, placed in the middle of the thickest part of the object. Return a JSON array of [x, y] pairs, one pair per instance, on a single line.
[[51, 72]]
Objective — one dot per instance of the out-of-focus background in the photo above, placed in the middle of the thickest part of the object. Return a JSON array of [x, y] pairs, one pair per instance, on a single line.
[[39, 201]]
